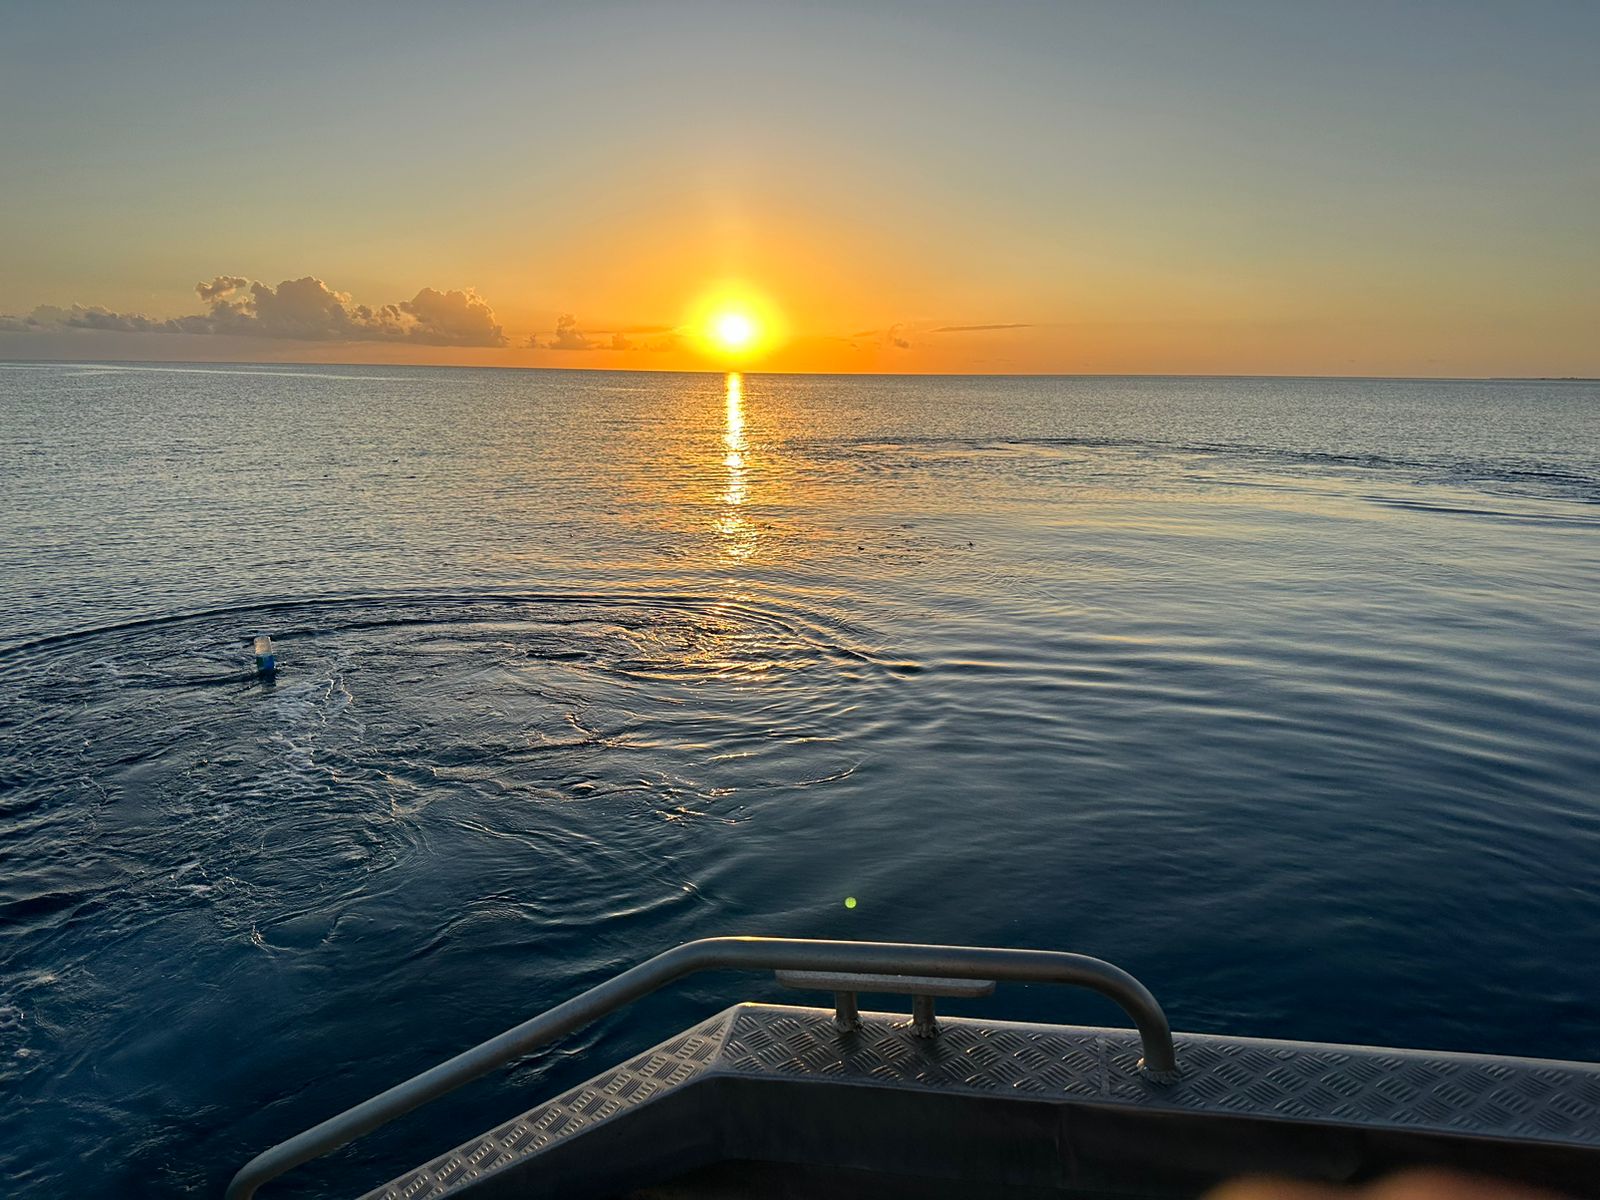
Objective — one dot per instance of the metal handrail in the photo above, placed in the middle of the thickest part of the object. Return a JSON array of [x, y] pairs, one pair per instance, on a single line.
[[722, 953]]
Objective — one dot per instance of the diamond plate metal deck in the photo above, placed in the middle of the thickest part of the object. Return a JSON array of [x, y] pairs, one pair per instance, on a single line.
[[636, 1082], [1486, 1097], [1525, 1099]]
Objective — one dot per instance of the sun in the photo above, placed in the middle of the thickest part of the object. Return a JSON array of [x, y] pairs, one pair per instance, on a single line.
[[733, 322], [734, 330]]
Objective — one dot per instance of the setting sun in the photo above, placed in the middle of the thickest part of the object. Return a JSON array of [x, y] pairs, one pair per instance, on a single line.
[[733, 322], [734, 330]]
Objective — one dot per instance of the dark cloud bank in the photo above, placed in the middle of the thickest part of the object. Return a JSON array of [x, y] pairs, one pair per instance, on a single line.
[[297, 309]]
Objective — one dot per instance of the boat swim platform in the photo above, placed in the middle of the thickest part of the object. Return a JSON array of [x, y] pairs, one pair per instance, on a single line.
[[1038, 1109], [798, 1102]]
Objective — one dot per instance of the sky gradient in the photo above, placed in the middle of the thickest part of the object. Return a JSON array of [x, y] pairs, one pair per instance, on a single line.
[[1256, 188]]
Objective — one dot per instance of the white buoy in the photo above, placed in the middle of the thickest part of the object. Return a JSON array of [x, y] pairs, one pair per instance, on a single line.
[[266, 660]]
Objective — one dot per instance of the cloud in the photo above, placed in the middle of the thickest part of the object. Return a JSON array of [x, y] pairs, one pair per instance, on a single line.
[[452, 319], [305, 309], [298, 309], [978, 328], [48, 317], [221, 285], [660, 344], [888, 337], [644, 337], [568, 336]]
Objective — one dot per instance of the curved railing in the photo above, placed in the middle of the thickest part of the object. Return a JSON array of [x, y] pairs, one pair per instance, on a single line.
[[712, 954]]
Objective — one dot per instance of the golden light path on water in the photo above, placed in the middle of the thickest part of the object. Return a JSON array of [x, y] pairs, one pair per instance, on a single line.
[[737, 531]]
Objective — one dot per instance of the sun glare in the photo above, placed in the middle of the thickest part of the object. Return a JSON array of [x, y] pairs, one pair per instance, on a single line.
[[733, 323], [734, 330]]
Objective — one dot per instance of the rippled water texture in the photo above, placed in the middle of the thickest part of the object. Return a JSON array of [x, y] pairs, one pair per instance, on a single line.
[[1282, 694]]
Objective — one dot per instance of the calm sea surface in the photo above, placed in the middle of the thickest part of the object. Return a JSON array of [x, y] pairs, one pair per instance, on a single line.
[[1283, 694]]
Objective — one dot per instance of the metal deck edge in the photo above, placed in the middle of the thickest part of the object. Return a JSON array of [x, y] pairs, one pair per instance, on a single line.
[[1449, 1093], [638, 1081], [1480, 1096]]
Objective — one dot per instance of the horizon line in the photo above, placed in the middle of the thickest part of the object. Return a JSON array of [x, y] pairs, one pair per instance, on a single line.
[[158, 363]]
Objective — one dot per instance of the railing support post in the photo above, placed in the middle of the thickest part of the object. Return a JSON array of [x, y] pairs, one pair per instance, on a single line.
[[846, 1016]]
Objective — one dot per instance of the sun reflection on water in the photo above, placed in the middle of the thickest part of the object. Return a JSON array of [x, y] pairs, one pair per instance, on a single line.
[[733, 439], [737, 532]]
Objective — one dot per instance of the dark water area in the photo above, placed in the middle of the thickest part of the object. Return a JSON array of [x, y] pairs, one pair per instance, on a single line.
[[1282, 694]]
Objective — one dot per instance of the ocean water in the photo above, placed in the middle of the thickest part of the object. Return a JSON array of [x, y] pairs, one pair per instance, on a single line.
[[1282, 694]]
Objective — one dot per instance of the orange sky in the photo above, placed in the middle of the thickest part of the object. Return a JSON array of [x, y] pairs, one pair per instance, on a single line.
[[1099, 188]]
